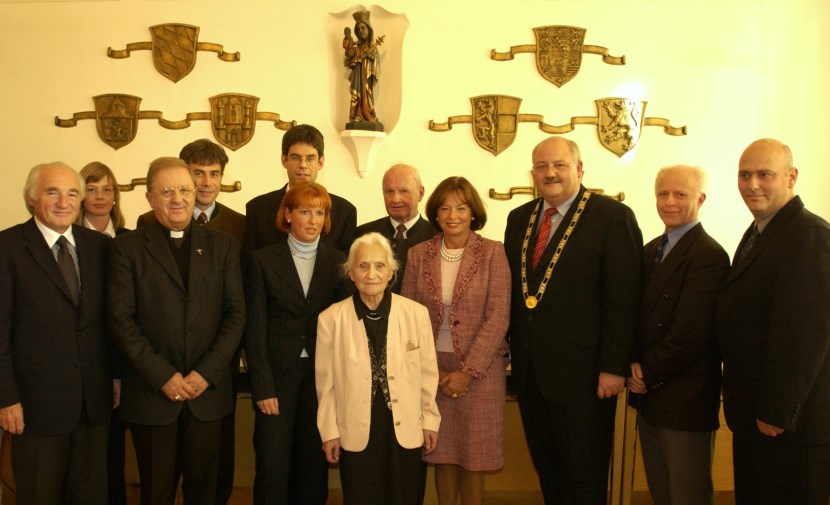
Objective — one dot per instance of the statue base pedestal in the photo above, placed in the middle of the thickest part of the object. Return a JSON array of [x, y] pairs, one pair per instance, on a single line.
[[365, 125], [362, 144]]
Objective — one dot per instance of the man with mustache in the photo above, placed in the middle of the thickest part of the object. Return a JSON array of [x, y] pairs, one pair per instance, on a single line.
[[575, 260]]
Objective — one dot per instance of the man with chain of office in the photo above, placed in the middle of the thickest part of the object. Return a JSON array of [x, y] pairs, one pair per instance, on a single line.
[[575, 259]]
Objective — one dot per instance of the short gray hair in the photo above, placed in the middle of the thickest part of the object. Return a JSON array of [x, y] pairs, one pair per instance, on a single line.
[[698, 174], [30, 188], [369, 239]]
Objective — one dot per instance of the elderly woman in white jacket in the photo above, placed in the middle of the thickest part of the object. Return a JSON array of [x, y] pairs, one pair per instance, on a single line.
[[376, 376]]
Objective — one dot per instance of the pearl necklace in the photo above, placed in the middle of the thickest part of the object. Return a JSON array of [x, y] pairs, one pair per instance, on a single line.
[[452, 258]]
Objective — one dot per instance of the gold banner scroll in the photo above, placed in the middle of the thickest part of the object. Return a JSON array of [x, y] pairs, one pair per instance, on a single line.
[[233, 117], [559, 52], [174, 47]]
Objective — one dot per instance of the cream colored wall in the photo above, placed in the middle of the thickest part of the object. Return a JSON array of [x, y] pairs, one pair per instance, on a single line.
[[731, 71]]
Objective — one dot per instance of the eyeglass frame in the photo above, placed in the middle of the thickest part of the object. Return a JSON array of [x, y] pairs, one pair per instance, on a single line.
[[544, 166], [310, 160]]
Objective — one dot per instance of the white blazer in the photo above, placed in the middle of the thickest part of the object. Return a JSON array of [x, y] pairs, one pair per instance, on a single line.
[[344, 374]]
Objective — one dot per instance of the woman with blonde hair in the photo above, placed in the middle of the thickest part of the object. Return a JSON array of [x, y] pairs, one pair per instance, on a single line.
[[101, 209]]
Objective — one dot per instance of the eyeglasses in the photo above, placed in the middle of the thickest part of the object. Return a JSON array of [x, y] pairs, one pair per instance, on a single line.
[[543, 166], [310, 160], [184, 192]]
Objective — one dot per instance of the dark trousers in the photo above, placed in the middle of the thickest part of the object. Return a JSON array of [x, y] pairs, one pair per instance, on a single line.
[[116, 452], [570, 445], [678, 464], [187, 443], [291, 468], [46, 467], [777, 470], [227, 458]]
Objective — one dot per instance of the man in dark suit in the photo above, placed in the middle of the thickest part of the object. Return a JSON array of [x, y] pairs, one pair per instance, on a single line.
[[675, 378], [176, 311], [576, 296], [207, 161], [302, 157], [404, 226], [773, 324], [56, 389]]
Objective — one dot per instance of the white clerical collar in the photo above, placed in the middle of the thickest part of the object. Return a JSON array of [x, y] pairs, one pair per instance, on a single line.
[[52, 236]]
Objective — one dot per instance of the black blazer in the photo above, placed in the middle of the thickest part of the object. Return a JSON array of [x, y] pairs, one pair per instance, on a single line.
[[281, 319], [585, 322], [261, 228], [676, 344], [54, 357], [162, 328], [773, 323], [421, 231]]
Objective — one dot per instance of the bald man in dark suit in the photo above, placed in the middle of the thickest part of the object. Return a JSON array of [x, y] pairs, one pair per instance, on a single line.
[[403, 226], [773, 325], [56, 389]]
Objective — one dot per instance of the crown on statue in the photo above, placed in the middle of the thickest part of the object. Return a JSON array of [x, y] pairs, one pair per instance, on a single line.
[[361, 17]]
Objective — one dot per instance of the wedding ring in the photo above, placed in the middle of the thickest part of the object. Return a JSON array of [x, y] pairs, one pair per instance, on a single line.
[[455, 395], [177, 397]]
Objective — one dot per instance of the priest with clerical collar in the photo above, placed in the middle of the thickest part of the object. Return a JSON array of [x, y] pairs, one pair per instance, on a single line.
[[176, 311]]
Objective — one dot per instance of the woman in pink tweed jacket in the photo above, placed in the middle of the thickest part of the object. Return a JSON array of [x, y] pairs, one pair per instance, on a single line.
[[464, 281]]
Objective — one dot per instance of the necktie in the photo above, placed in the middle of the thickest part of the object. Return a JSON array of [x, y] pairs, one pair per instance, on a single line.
[[542, 238], [750, 243], [658, 256], [67, 268], [401, 229], [202, 219]]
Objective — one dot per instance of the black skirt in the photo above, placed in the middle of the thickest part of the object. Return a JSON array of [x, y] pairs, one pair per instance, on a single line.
[[384, 472]]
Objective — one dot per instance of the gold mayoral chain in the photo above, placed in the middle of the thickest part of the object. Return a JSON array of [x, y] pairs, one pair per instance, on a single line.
[[530, 300]]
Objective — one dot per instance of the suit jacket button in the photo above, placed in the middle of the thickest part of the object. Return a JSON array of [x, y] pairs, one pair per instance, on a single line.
[[391, 377], [397, 423]]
